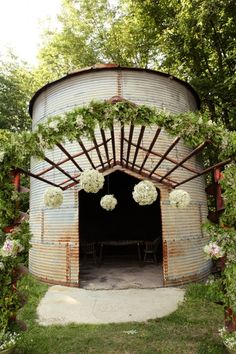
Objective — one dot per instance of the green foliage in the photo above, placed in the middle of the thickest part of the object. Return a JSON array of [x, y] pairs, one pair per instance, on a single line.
[[229, 194], [16, 88], [224, 286]]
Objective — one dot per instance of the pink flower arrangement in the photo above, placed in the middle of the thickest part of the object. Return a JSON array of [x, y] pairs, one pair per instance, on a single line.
[[213, 250]]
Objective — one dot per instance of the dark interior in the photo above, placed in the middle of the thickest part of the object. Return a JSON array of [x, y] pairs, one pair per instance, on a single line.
[[128, 221]]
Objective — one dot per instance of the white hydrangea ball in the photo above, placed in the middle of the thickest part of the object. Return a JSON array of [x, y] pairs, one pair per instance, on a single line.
[[53, 197], [91, 181], [179, 198], [108, 202], [145, 193]]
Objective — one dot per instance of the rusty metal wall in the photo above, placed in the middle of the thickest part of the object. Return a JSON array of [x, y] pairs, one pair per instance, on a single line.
[[54, 256]]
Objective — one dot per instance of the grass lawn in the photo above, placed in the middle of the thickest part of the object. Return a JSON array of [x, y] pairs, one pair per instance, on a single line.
[[193, 328]]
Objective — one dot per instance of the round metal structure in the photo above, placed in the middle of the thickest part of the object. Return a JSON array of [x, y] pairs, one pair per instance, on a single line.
[[136, 151]]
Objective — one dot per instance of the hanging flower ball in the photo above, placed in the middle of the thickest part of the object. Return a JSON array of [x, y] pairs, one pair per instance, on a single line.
[[213, 250], [145, 193], [179, 198], [91, 181], [53, 197], [108, 202]]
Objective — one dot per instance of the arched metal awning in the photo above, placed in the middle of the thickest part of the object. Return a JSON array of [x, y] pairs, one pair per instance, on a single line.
[[125, 159]]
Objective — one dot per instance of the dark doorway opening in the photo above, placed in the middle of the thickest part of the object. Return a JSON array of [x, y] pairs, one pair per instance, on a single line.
[[128, 221]]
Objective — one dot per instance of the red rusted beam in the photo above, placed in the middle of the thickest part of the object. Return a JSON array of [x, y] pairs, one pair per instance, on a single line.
[[98, 151], [149, 151], [138, 144], [105, 146], [113, 144], [194, 152], [86, 153], [28, 173], [69, 156], [175, 142], [59, 168], [122, 134], [156, 177], [66, 160], [129, 143], [220, 164]]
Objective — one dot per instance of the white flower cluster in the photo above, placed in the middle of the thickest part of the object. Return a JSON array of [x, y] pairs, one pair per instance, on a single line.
[[8, 340], [213, 250], [2, 153], [229, 338], [11, 248], [80, 121], [53, 197], [91, 181], [108, 202], [54, 125], [145, 193], [179, 198]]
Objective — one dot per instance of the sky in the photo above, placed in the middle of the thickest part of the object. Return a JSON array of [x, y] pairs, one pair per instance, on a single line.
[[22, 22]]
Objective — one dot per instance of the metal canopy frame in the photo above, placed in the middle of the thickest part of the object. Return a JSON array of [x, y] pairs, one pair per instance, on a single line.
[[111, 159]]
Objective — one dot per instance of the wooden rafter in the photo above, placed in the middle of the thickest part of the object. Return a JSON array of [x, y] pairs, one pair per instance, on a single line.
[[138, 144], [98, 151], [105, 146], [122, 135], [113, 144], [175, 142], [69, 156], [59, 168], [86, 153], [194, 152], [220, 164], [131, 131], [28, 173], [149, 150]]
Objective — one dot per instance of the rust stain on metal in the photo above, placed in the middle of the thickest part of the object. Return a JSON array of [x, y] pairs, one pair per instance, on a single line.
[[68, 274]]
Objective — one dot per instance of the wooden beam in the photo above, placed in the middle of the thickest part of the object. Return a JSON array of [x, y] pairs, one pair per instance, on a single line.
[[86, 153], [175, 142], [113, 144], [138, 144], [194, 152], [105, 146], [98, 151], [129, 143], [220, 164], [122, 134], [67, 159], [59, 168], [28, 173], [149, 151], [69, 156]]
